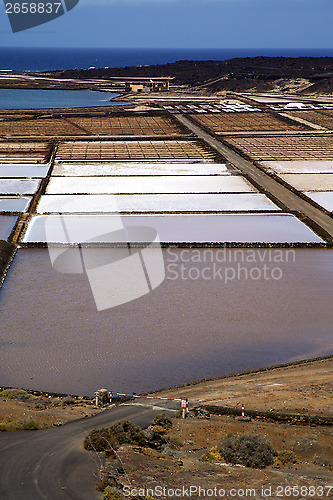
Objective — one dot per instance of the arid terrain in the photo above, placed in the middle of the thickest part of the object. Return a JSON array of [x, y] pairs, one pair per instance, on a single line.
[[17, 407], [190, 459], [303, 74], [304, 388]]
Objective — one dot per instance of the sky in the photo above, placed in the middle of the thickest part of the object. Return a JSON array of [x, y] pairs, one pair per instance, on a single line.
[[182, 24]]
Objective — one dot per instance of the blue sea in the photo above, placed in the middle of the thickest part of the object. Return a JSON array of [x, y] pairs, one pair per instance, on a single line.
[[44, 59]]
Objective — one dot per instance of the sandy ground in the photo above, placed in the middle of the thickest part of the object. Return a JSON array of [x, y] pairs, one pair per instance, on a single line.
[[305, 388], [44, 410]]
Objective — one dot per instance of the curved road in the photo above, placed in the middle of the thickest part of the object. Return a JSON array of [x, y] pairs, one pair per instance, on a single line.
[[51, 464]]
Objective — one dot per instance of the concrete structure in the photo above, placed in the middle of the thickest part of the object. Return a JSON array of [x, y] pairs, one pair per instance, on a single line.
[[138, 88]]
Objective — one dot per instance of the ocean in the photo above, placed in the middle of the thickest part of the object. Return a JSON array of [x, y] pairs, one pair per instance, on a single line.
[[44, 59]]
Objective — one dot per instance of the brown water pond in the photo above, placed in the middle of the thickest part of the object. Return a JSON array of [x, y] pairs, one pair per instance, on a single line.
[[196, 324]]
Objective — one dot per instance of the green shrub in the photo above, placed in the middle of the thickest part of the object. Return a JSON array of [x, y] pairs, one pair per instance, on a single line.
[[163, 421], [100, 440], [248, 449], [287, 456], [127, 432], [12, 393], [30, 425], [211, 456], [112, 437]]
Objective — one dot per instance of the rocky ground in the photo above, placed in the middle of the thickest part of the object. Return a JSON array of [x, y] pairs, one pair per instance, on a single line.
[[184, 466], [19, 408], [304, 459]]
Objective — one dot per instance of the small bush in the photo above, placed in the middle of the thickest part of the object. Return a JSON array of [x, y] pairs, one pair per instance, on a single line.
[[12, 393], [287, 456], [247, 449], [112, 437], [30, 425], [127, 432], [100, 440], [163, 421], [110, 494], [212, 456]]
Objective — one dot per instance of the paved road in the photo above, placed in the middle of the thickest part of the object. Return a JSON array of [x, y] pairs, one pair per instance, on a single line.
[[51, 464], [289, 199]]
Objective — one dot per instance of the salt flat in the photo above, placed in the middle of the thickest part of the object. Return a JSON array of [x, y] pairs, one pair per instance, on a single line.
[[155, 203], [149, 184], [175, 228]]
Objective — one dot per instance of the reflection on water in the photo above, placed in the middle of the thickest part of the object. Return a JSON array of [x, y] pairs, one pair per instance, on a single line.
[[194, 325], [23, 170], [8, 204], [18, 186], [45, 99], [6, 226]]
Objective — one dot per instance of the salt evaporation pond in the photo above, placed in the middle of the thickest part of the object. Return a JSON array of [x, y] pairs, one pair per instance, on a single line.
[[8, 204], [313, 182], [148, 184], [6, 225], [300, 166], [53, 339], [18, 186], [154, 203], [322, 198], [177, 228], [18, 170], [76, 169]]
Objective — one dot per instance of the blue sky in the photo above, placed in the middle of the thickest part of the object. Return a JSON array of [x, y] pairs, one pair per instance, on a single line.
[[183, 24]]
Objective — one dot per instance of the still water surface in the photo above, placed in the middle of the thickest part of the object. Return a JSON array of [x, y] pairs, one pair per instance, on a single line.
[[53, 338], [45, 99]]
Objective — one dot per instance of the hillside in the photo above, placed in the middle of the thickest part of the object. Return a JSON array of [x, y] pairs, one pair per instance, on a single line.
[[237, 74]]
